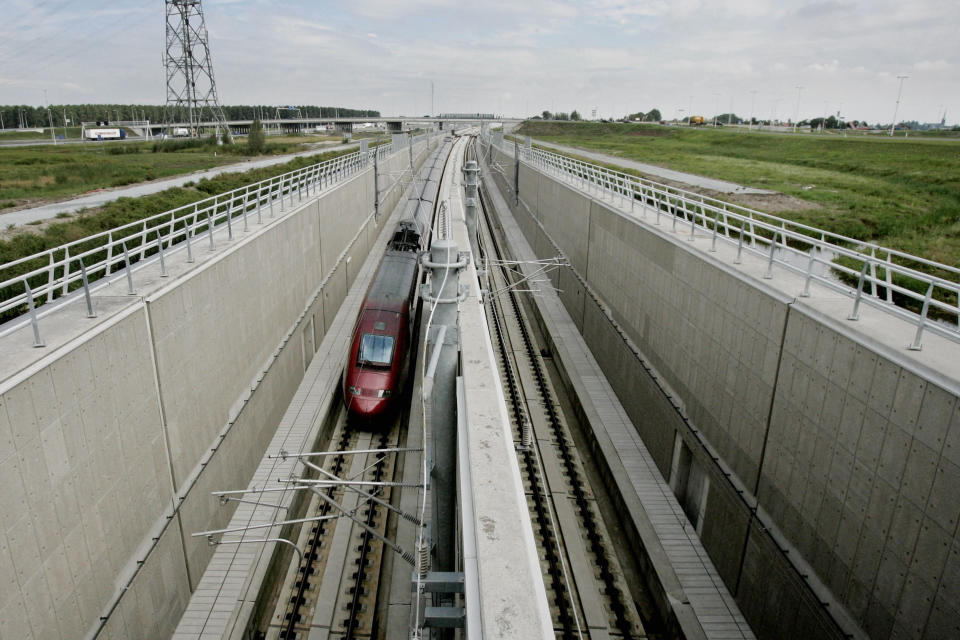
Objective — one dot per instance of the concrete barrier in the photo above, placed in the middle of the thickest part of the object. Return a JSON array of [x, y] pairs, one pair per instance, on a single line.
[[111, 442], [822, 453]]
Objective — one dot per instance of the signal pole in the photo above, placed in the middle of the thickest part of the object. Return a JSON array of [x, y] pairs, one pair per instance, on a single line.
[[53, 135], [796, 112]]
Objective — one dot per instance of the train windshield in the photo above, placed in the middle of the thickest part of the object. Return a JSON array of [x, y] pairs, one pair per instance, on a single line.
[[376, 350]]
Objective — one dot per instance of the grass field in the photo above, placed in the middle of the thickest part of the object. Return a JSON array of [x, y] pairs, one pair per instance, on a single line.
[[30, 240], [901, 193], [41, 173]]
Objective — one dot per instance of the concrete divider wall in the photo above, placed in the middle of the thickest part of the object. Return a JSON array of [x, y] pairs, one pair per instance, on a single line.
[[95, 511], [830, 458]]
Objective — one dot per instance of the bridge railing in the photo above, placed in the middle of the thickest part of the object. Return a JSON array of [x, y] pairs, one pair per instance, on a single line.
[[920, 291], [45, 276]]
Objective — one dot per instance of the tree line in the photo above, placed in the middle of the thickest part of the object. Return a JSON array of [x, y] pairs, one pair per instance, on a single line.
[[14, 116]]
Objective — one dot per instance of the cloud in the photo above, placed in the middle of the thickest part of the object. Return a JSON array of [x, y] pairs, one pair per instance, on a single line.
[[518, 57], [932, 65]]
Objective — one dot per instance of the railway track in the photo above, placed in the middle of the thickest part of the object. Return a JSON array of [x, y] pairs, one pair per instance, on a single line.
[[333, 588], [348, 552], [586, 587]]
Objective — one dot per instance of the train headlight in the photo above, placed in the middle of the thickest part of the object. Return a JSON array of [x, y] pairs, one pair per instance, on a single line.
[[383, 393], [354, 390]]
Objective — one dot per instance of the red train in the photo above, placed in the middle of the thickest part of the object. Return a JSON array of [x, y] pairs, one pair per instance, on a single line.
[[376, 365]]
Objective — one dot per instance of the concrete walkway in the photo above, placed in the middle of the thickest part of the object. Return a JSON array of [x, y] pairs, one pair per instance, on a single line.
[[721, 186], [99, 198]]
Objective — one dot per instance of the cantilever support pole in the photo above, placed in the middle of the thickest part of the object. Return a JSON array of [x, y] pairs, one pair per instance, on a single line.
[[376, 534], [383, 503], [376, 185]]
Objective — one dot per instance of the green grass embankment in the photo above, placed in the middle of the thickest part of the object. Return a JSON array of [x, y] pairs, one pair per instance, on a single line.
[[38, 174]]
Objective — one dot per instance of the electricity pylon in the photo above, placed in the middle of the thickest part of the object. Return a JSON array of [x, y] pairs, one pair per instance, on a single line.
[[190, 82]]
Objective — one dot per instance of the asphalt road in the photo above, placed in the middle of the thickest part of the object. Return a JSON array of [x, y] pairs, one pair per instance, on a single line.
[[43, 212]]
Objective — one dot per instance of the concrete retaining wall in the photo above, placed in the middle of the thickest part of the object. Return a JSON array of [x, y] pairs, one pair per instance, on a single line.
[[829, 457], [110, 444]]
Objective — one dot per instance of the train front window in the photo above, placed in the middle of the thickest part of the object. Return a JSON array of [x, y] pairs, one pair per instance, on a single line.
[[376, 350]]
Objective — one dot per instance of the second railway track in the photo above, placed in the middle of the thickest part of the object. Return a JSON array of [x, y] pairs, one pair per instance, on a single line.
[[586, 587]]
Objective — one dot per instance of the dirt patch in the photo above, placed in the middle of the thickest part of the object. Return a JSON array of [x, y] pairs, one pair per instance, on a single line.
[[772, 202], [766, 202]]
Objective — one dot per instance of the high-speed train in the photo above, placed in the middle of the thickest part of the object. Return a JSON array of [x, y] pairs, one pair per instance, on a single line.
[[373, 376]]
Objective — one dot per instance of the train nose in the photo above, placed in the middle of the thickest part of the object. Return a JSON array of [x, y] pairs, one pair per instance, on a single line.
[[367, 407]]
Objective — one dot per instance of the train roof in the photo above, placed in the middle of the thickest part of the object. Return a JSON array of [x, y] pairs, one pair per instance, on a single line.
[[393, 281]]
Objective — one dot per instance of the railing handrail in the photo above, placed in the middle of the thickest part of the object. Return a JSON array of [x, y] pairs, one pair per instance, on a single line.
[[733, 208], [140, 237], [713, 216]]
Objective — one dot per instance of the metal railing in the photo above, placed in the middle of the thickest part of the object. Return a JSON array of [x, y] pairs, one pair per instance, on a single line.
[[920, 291], [45, 276]]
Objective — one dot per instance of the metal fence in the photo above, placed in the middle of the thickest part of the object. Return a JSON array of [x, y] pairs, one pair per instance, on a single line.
[[922, 292], [43, 277]]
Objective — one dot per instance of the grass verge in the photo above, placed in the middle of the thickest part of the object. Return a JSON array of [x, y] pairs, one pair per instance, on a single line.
[[39, 173], [120, 212]]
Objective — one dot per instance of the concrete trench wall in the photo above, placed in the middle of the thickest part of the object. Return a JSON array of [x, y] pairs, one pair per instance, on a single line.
[[110, 446], [832, 461]]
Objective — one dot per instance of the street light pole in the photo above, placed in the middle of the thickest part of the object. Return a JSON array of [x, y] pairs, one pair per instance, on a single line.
[[897, 106], [796, 111], [53, 135], [716, 107]]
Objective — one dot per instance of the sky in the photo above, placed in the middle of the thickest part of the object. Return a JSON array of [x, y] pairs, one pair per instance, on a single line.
[[511, 57]]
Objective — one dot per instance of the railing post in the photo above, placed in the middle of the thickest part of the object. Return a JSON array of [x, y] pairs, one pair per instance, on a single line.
[[210, 229], [270, 194], [51, 276], [109, 252], [143, 241], [890, 279], [693, 222], [126, 260], [855, 314], [37, 342], [259, 202], [86, 290], [246, 206], [163, 265], [916, 346], [873, 271], [806, 285], [773, 247], [186, 233], [716, 222], [230, 215], [66, 269]]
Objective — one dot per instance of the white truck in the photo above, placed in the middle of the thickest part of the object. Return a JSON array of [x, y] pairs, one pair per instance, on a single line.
[[180, 132], [104, 134]]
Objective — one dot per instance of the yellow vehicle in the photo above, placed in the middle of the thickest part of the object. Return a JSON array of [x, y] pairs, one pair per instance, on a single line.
[[697, 120]]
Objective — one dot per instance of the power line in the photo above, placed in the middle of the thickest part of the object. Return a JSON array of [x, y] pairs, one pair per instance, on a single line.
[[16, 27], [85, 43]]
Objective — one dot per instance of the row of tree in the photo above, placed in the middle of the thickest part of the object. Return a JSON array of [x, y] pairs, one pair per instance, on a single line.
[[14, 116], [650, 116], [546, 115]]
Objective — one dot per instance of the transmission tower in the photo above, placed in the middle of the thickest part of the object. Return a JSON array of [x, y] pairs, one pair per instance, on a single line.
[[190, 83]]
